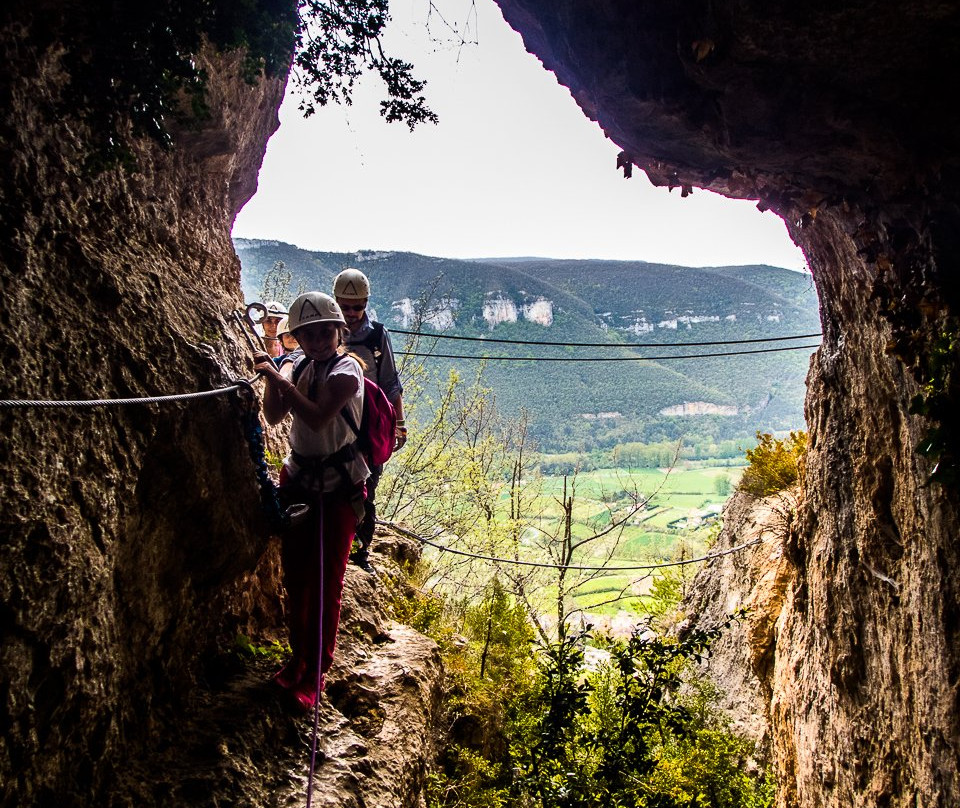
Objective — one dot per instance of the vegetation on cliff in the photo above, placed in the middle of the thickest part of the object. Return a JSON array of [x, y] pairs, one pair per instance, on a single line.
[[774, 464], [136, 73], [537, 724], [539, 711]]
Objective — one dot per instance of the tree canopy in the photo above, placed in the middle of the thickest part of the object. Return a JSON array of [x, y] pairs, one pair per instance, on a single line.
[[129, 68]]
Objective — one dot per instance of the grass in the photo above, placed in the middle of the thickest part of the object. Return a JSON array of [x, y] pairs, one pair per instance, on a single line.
[[652, 535]]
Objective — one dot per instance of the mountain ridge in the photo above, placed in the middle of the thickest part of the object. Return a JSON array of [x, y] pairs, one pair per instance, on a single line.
[[590, 301]]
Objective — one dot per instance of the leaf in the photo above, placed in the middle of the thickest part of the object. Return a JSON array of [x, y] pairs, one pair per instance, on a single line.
[[702, 48]]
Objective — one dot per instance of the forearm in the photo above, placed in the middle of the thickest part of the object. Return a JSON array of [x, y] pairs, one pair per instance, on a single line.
[[276, 404], [315, 414]]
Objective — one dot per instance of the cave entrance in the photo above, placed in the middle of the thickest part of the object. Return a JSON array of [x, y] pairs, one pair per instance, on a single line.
[[513, 170]]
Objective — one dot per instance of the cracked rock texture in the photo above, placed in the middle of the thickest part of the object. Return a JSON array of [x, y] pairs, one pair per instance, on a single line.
[[836, 116], [753, 581], [134, 549], [128, 533], [239, 741]]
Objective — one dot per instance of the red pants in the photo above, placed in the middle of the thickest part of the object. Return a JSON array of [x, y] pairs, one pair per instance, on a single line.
[[301, 550]]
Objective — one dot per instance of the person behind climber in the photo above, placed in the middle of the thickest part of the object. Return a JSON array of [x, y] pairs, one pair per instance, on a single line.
[[325, 471], [289, 347], [275, 313], [369, 340]]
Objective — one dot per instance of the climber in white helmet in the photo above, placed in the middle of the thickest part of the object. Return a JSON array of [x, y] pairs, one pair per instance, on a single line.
[[276, 311], [325, 471], [370, 341]]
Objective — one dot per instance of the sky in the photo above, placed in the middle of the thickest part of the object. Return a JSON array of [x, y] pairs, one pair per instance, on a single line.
[[514, 168]]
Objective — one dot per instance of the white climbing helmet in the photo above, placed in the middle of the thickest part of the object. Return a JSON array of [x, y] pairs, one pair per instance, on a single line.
[[314, 307], [283, 327], [275, 309], [351, 284]]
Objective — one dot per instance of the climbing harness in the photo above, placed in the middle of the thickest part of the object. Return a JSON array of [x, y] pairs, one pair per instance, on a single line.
[[573, 567]]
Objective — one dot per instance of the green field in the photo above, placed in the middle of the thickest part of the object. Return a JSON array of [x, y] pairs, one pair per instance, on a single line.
[[679, 515], [678, 503]]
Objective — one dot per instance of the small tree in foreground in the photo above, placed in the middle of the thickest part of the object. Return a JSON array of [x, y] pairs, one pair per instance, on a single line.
[[637, 732]]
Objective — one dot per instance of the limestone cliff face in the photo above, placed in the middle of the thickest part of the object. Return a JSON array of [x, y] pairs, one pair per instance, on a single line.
[[831, 115], [125, 531], [754, 583]]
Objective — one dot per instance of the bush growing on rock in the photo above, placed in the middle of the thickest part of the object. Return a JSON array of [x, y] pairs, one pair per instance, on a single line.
[[774, 464]]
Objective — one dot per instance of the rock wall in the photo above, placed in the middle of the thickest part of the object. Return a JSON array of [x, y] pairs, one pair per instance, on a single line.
[[832, 115], [126, 532], [868, 666], [238, 742], [753, 583]]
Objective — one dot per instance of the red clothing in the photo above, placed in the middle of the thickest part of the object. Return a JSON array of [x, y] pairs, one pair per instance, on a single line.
[[301, 572]]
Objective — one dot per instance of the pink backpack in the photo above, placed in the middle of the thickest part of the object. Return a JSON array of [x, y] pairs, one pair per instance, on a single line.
[[377, 431]]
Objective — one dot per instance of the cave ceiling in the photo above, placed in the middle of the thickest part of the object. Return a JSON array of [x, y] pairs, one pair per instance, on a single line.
[[783, 101]]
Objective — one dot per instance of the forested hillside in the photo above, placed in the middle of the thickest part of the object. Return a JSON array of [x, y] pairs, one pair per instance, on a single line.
[[596, 396]]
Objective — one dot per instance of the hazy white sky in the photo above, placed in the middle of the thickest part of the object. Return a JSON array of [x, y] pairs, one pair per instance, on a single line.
[[513, 168]]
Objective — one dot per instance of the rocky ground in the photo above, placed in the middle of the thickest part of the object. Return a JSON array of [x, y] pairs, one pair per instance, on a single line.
[[238, 741], [753, 582]]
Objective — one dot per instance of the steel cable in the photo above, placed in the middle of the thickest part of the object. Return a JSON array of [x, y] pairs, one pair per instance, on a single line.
[[120, 402], [575, 567], [602, 344], [603, 358]]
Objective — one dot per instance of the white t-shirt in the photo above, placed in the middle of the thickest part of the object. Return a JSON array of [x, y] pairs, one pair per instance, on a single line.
[[335, 434]]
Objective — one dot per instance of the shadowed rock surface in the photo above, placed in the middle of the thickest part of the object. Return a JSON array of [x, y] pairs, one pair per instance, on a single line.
[[129, 534], [238, 740], [835, 116], [123, 564]]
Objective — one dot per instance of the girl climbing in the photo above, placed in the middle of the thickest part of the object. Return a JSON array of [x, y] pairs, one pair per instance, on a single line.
[[324, 471]]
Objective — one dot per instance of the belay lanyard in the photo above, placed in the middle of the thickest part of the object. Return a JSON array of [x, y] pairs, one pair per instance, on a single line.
[[320, 615], [277, 518]]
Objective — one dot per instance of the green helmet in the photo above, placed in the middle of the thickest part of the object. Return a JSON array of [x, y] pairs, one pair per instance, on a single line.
[[314, 307]]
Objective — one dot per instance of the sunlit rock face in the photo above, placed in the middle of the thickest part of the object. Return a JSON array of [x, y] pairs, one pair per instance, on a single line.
[[498, 309], [832, 115], [440, 317], [539, 312], [752, 584], [699, 408], [128, 532]]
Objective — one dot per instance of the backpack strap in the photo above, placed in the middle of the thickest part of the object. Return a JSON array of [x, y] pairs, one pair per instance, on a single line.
[[299, 365], [373, 342]]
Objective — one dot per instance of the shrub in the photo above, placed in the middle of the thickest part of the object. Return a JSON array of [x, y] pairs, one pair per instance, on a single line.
[[774, 464], [637, 732]]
